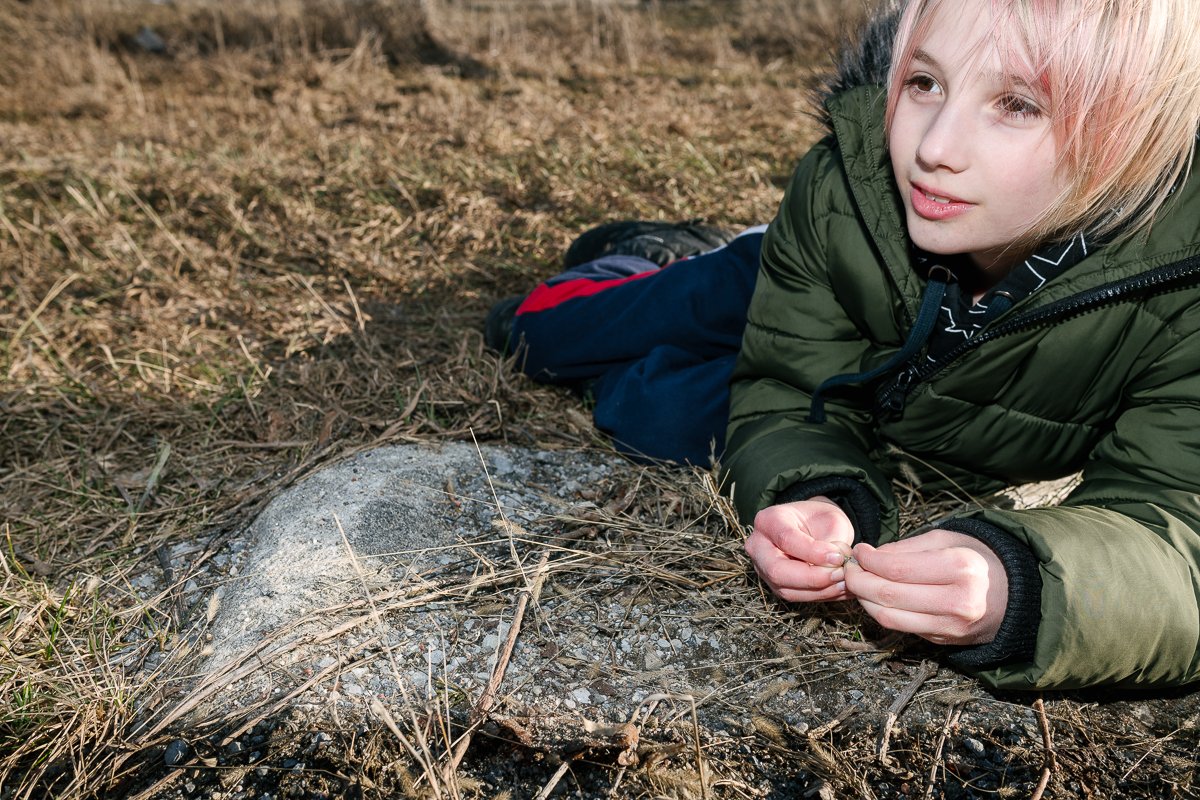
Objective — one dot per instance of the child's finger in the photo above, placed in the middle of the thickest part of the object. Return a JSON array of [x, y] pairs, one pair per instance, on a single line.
[[939, 566], [801, 546], [815, 531], [781, 572], [936, 599], [836, 592], [935, 628]]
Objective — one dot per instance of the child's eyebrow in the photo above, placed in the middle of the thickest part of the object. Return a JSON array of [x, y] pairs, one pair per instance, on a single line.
[[922, 55], [1010, 80]]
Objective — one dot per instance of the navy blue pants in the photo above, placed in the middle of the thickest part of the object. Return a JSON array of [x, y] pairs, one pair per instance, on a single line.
[[654, 347]]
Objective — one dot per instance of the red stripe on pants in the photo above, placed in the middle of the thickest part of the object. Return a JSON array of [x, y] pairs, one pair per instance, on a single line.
[[550, 295]]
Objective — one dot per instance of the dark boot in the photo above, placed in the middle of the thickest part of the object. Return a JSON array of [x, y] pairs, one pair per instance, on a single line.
[[660, 242], [498, 325]]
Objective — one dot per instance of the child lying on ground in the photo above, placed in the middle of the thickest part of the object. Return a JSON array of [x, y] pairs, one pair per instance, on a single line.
[[986, 274]]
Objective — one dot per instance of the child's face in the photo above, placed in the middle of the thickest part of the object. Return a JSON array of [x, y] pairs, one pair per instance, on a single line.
[[973, 152]]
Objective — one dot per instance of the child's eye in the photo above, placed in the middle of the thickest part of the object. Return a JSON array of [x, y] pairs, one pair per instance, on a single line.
[[922, 84], [1017, 107]]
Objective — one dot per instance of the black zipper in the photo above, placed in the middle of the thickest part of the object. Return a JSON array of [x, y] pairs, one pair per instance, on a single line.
[[891, 397]]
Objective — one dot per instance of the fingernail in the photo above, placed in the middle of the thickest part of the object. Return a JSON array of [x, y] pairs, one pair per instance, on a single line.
[[834, 558], [841, 587], [837, 575]]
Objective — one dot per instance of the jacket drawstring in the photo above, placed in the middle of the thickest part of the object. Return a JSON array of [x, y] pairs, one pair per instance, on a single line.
[[931, 302]]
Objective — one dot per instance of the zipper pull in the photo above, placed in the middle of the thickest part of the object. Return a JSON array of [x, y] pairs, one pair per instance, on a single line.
[[891, 400]]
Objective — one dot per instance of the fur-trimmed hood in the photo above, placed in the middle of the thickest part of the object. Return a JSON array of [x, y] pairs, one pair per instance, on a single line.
[[862, 59]]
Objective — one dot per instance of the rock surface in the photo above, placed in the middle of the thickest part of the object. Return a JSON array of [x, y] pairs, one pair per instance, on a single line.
[[382, 572]]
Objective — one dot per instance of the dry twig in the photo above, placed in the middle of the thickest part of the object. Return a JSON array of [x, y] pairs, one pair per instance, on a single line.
[[927, 670], [488, 697], [822, 730], [1050, 759], [952, 716], [554, 779]]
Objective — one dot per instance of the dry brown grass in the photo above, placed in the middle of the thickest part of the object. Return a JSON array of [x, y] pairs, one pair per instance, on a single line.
[[226, 265], [223, 267]]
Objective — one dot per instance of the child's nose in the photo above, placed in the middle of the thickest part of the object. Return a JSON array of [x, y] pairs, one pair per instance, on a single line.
[[947, 140]]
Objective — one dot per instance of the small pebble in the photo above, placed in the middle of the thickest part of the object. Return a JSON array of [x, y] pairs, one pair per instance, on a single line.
[[176, 753], [974, 745]]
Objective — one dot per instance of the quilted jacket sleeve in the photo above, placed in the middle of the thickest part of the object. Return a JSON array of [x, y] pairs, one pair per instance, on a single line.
[[1120, 558], [797, 335]]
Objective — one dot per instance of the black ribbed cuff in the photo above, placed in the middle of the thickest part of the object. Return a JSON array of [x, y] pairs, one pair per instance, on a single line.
[[851, 496], [1017, 637]]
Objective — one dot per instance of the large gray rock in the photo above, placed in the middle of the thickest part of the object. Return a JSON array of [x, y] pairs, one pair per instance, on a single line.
[[392, 573], [392, 578]]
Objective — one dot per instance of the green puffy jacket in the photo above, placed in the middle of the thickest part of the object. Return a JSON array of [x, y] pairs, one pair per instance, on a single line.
[[1098, 371]]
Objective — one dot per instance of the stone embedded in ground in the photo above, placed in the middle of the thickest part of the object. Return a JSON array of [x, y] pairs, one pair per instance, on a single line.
[[394, 575]]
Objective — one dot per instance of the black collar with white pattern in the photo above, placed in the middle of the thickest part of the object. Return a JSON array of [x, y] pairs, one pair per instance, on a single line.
[[961, 318]]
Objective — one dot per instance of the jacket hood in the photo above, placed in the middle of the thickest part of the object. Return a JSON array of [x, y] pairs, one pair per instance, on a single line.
[[862, 59]]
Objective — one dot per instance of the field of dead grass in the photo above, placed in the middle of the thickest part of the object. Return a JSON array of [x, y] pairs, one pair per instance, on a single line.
[[273, 242]]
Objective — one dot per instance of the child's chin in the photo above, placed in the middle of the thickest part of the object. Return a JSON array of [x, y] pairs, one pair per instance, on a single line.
[[937, 245]]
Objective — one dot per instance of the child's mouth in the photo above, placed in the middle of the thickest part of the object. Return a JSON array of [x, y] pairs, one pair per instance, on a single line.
[[932, 206]]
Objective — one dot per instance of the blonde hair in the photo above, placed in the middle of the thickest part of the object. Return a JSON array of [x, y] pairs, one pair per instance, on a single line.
[[1120, 80]]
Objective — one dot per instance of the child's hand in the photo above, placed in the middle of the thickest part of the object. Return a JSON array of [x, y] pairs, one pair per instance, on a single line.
[[798, 549], [943, 586]]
